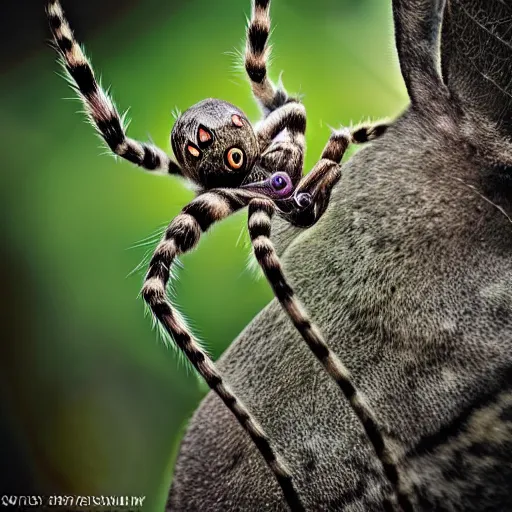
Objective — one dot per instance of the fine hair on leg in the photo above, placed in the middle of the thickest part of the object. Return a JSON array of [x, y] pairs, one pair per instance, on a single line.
[[182, 236], [99, 106], [322, 178]]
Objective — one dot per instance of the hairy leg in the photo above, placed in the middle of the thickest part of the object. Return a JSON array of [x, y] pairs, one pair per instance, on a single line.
[[317, 185], [182, 236], [290, 117], [257, 52], [285, 154], [260, 215], [98, 105], [366, 133], [314, 190]]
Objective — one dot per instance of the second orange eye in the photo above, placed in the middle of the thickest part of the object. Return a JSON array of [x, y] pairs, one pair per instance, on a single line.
[[237, 120], [235, 158]]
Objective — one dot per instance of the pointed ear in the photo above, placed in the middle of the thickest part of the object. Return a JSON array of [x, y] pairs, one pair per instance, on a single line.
[[477, 58], [204, 137], [417, 28]]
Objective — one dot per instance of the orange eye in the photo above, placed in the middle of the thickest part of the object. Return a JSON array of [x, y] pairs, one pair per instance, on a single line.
[[237, 120], [235, 158], [193, 151], [204, 135]]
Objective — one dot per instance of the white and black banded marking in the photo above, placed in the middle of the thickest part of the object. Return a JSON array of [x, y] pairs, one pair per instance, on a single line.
[[318, 183], [337, 145], [258, 33], [368, 133], [260, 215], [181, 236], [257, 53], [292, 117], [326, 171], [99, 106]]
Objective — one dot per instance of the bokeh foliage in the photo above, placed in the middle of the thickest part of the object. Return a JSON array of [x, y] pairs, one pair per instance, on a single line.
[[94, 402]]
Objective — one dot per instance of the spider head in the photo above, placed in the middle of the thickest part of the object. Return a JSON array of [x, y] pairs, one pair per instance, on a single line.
[[215, 144]]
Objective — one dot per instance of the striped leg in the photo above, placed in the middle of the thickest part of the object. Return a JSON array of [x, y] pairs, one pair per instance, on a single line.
[[317, 185], [326, 172], [257, 52], [314, 193], [260, 214], [285, 153], [367, 133], [98, 105], [181, 236], [314, 190], [291, 117]]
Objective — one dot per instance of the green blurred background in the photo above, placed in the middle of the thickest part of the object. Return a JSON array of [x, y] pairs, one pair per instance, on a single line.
[[91, 402]]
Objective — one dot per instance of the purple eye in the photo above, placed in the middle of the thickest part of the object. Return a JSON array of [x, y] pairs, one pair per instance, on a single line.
[[281, 184], [278, 182], [303, 199], [278, 186]]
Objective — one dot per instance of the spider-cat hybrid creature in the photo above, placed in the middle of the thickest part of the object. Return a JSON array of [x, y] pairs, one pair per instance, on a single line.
[[412, 283], [233, 166]]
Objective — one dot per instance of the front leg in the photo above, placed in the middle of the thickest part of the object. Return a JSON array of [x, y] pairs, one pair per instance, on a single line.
[[180, 237], [314, 190], [282, 141], [259, 224], [291, 117]]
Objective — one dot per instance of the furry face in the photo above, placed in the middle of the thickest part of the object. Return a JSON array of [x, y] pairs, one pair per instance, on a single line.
[[215, 144]]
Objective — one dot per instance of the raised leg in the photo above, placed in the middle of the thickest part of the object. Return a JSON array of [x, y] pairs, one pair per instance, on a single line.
[[181, 236], [257, 53], [98, 105], [313, 192], [285, 152], [260, 214], [417, 27], [290, 117]]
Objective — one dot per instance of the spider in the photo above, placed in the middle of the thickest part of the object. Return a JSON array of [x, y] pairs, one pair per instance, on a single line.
[[413, 281], [234, 165]]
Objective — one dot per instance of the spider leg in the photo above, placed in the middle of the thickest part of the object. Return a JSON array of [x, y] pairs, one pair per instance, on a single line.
[[182, 236], [286, 152], [317, 185], [417, 29], [291, 117], [259, 223], [366, 133], [99, 106], [314, 190], [257, 53]]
